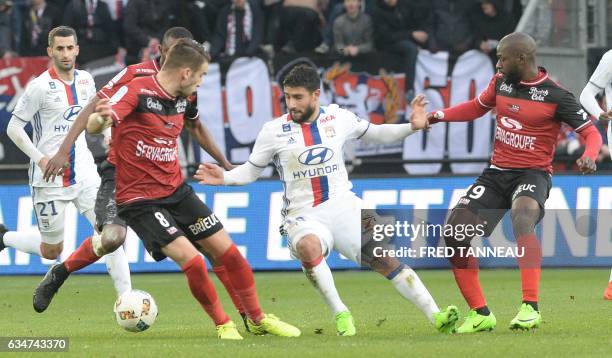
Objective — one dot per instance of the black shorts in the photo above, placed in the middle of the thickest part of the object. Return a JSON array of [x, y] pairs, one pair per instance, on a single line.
[[492, 194], [159, 222], [106, 206]]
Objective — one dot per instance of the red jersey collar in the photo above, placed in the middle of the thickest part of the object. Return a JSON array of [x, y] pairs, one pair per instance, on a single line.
[[163, 91], [541, 77], [156, 64]]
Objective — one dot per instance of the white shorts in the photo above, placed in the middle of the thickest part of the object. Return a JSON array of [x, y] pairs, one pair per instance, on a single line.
[[50, 205], [336, 222]]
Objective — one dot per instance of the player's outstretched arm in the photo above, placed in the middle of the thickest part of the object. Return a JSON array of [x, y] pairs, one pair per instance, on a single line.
[[593, 141], [212, 174], [101, 119], [206, 141], [60, 159], [392, 133], [598, 81], [588, 101], [463, 112]]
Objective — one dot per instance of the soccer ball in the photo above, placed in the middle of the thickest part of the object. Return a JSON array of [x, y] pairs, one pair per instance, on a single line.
[[135, 310]]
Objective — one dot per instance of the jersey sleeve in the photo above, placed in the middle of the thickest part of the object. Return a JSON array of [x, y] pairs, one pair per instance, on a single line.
[[603, 73], [29, 103], [121, 79], [264, 148], [570, 112], [123, 102], [486, 98], [356, 126]]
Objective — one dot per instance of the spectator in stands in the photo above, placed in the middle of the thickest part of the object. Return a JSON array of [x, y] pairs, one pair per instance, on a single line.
[[400, 27], [492, 23], [117, 9], [353, 31], [272, 12], [39, 18], [59, 4], [7, 27], [334, 10], [453, 26], [91, 19], [144, 24], [239, 30], [193, 15], [212, 8], [300, 25]]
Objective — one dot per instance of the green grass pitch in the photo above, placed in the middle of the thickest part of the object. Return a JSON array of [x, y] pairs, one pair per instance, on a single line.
[[577, 321]]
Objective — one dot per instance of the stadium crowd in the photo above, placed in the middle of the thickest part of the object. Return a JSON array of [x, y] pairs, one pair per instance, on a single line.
[[131, 30], [248, 27]]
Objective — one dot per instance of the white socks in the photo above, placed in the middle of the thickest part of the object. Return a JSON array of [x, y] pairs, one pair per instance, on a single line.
[[321, 278], [409, 285], [24, 241], [610, 276], [119, 270]]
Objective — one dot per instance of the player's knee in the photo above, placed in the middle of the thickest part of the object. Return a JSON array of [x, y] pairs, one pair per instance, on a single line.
[[113, 236], [309, 248], [459, 217], [50, 252], [524, 221], [384, 265]]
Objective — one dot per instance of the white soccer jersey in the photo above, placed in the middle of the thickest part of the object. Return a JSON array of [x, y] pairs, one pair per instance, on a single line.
[[309, 156], [602, 78], [51, 105]]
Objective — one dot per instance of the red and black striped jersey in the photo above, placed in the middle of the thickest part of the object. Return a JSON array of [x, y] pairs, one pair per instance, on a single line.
[[528, 118], [147, 122], [148, 68]]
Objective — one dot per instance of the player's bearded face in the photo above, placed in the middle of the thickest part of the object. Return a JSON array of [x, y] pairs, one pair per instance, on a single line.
[[64, 52], [508, 66], [512, 74], [301, 103], [301, 116]]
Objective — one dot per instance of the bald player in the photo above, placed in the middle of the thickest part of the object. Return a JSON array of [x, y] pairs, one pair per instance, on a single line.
[[530, 108]]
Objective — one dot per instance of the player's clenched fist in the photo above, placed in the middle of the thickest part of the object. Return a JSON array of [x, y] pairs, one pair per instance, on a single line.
[[101, 118], [586, 165], [210, 174]]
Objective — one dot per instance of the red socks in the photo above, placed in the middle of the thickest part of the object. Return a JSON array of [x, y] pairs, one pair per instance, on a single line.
[[222, 275], [530, 265], [465, 270], [82, 257], [203, 289], [241, 278]]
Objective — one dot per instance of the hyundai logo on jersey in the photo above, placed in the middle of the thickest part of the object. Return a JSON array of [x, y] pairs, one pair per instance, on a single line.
[[72, 112], [316, 156]]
